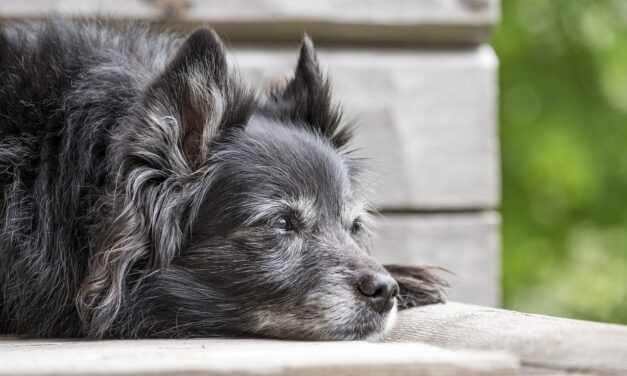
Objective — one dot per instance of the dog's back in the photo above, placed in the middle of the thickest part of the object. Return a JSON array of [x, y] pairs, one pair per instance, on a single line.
[[63, 88]]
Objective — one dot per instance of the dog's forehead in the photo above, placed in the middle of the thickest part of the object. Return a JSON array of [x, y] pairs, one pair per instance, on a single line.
[[291, 163]]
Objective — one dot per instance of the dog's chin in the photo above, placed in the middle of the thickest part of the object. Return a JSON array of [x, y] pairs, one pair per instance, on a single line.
[[370, 325], [390, 322], [334, 325]]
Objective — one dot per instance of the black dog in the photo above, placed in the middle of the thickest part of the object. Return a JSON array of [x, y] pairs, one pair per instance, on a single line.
[[146, 192]]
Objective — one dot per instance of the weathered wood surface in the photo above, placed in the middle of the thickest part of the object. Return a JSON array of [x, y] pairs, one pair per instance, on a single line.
[[391, 21], [544, 344], [466, 244], [243, 357], [427, 119]]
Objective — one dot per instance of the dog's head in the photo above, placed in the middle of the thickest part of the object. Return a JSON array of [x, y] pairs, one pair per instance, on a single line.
[[237, 215]]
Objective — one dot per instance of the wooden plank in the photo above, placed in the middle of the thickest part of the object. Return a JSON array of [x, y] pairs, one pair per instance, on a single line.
[[466, 244], [243, 357], [404, 21], [545, 345], [427, 119]]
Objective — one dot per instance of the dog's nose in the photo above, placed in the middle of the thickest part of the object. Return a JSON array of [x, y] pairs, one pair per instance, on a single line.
[[379, 290]]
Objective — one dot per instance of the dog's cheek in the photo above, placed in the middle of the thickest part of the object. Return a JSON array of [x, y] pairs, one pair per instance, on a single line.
[[281, 258], [314, 309], [341, 314]]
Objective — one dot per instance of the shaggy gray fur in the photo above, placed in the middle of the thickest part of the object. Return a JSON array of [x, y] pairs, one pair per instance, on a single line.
[[146, 192]]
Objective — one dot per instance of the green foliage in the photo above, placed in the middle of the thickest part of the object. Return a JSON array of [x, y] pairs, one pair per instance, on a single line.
[[564, 146]]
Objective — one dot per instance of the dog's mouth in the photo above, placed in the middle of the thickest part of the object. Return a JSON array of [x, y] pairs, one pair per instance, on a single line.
[[365, 324], [346, 320]]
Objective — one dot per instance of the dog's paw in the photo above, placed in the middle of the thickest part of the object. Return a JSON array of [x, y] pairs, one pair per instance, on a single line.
[[419, 285]]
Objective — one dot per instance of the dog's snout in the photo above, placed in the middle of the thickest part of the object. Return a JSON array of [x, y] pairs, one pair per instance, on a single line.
[[379, 290]]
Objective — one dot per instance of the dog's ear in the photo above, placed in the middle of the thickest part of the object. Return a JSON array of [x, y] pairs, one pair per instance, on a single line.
[[419, 285], [306, 99], [196, 97], [186, 107]]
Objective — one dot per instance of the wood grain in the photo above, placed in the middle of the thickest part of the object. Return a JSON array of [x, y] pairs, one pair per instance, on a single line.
[[466, 244], [353, 21], [544, 344], [243, 357]]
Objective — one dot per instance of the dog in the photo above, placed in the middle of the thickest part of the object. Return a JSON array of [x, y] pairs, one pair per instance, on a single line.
[[148, 192]]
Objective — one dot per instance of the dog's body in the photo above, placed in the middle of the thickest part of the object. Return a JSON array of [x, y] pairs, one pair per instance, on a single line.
[[146, 192]]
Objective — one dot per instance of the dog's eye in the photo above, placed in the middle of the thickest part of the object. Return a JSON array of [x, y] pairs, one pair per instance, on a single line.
[[283, 223], [356, 227]]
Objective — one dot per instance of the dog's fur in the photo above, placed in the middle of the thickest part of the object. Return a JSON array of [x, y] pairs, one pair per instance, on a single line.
[[141, 184]]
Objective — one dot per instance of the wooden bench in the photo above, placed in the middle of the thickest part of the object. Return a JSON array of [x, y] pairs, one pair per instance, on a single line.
[[470, 340]]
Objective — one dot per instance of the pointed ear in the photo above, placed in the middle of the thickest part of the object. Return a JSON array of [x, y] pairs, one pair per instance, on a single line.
[[308, 68], [197, 95], [419, 285], [306, 99]]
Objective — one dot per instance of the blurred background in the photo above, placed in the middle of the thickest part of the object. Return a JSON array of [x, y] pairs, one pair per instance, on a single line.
[[563, 121]]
